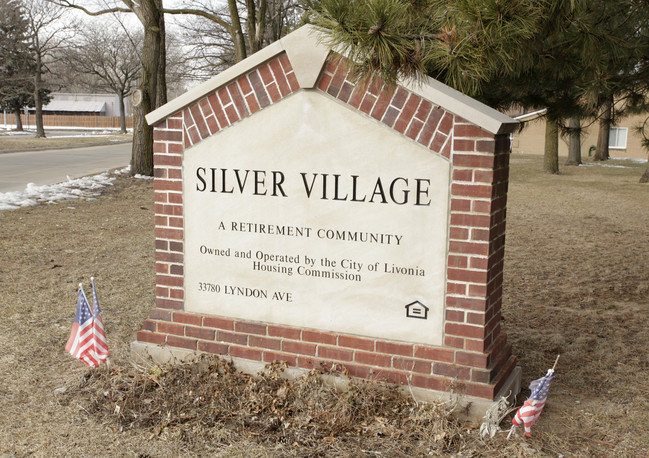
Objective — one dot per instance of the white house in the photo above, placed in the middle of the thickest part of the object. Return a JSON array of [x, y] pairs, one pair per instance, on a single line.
[[83, 104]]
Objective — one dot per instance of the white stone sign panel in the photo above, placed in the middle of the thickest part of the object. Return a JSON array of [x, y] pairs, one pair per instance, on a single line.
[[310, 215]]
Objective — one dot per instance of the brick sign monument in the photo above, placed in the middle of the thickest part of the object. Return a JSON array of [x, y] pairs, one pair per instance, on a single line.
[[306, 218]]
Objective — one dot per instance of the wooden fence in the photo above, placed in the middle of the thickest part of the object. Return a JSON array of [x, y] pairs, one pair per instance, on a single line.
[[75, 121]]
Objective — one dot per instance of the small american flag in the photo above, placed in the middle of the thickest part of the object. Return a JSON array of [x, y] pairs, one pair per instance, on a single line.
[[99, 336], [81, 341], [531, 409]]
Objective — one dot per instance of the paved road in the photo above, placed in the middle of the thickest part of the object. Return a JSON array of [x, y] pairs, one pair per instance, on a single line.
[[54, 166]]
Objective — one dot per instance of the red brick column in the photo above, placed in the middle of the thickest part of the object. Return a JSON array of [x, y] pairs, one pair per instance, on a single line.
[[476, 251], [169, 226]]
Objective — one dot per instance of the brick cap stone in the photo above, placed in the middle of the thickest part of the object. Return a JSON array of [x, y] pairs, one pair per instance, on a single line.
[[471, 407], [462, 105], [307, 53]]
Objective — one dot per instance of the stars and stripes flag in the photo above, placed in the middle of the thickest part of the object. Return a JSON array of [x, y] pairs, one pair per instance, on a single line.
[[99, 336], [531, 409], [87, 340], [81, 341]]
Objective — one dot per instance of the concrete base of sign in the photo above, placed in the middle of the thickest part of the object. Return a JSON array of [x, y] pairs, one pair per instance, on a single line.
[[469, 407]]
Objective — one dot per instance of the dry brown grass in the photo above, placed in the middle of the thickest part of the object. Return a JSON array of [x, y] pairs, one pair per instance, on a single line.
[[576, 283]]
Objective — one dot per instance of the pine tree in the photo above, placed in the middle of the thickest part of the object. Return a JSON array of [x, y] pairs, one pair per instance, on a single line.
[[464, 43], [570, 57], [502, 53], [16, 60], [549, 74]]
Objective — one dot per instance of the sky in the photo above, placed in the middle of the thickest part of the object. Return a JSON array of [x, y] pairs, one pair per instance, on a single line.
[[129, 20]]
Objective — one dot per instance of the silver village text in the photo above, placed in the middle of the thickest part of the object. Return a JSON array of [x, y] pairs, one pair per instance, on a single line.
[[324, 186]]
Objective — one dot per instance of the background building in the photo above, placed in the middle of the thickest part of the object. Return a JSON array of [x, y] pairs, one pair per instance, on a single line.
[[84, 104], [625, 140]]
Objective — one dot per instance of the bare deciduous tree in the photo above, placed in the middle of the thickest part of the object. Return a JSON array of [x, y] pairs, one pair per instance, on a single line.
[[49, 33], [257, 14], [110, 57], [153, 85], [219, 35]]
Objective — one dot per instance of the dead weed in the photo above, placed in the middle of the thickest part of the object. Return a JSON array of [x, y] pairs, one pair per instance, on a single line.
[[209, 402]]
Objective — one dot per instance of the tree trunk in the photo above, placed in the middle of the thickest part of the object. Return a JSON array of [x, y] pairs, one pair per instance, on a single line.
[[142, 152], [645, 176], [551, 154], [122, 114], [237, 31], [261, 25], [38, 115], [277, 16], [574, 146], [153, 22], [256, 25], [19, 121], [38, 100], [251, 24], [161, 83], [604, 131]]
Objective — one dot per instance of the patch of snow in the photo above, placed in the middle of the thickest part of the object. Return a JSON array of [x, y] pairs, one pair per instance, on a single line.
[[127, 169], [8, 128], [630, 159], [615, 159], [84, 135], [86, 187], [594, 164], [8, 133]]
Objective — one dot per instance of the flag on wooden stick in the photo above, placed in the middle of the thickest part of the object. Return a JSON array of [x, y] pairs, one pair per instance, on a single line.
[[87, 340], [532, 408], [81, 341], [101, 346]]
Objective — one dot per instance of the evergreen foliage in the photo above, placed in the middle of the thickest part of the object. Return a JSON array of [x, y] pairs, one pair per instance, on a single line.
[[565, 55], [570, 56], [464, 43], [16, 58]]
